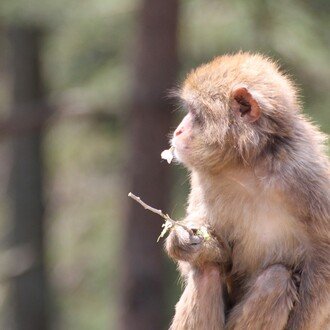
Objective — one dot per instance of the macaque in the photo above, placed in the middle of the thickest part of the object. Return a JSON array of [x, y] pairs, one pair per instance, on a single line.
[[260, 183]]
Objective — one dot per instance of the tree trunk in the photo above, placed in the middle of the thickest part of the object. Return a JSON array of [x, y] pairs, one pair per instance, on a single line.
[[143, 286], [29, 286]]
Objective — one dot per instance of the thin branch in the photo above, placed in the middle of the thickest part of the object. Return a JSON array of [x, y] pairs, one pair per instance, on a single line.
[[148, 207], [159, 212]]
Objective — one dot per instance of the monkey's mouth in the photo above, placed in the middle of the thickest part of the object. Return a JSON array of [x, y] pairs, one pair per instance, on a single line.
[[179, 145], [179, 155]]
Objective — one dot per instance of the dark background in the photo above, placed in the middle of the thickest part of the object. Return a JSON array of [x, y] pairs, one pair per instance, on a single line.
[[84, 117]]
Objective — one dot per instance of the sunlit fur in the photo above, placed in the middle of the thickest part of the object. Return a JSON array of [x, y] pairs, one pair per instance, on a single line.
[[264, 188]]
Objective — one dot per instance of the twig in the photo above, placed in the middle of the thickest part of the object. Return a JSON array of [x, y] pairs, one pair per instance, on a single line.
[[159, 212]]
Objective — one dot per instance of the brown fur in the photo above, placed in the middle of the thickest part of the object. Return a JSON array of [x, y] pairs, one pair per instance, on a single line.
[[261, 182], [204, 287]]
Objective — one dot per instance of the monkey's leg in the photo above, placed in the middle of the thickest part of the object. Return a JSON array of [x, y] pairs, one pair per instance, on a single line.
[[312, 311], [201, 304], [267, 303]]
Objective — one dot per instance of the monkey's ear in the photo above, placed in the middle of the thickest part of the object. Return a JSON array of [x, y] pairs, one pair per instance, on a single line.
[[245, 105]]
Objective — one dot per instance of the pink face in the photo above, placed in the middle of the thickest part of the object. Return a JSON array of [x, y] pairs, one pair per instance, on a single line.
[[182, 137]]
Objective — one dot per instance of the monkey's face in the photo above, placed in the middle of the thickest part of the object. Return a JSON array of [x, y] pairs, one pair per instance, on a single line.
[[192, 146], [218, 132], [238, 108]]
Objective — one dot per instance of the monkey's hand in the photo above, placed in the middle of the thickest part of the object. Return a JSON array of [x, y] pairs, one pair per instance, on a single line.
[[189, 246]]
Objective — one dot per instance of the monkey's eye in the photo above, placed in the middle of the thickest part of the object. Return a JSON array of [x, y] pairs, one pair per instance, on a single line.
[[192, 111], [197, 118]]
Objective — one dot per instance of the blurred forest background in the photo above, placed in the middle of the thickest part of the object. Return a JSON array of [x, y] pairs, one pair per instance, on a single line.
[[84, 117]]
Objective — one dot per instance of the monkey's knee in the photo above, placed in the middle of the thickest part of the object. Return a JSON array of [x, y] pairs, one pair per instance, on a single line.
[[275, 278], [268, 302], [276, 284]]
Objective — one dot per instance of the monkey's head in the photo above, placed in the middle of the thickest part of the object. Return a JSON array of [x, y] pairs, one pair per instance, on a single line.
[[238, 107]]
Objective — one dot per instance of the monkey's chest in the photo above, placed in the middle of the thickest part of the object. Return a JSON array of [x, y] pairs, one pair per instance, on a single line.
[[260, 234]]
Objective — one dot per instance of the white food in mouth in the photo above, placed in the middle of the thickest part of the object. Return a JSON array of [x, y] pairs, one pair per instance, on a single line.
[[168, 155]]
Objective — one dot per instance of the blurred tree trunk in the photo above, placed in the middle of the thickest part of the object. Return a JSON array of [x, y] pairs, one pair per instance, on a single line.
[[29, 286], [155, 71]]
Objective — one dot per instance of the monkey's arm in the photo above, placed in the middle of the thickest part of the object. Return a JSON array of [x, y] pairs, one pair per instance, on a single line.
[[312, 311], [182, 246]]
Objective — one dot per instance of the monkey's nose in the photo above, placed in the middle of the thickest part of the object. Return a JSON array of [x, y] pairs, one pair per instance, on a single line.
[[178, 131]]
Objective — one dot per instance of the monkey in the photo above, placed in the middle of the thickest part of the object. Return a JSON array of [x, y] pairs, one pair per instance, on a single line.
[[260, 182]]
